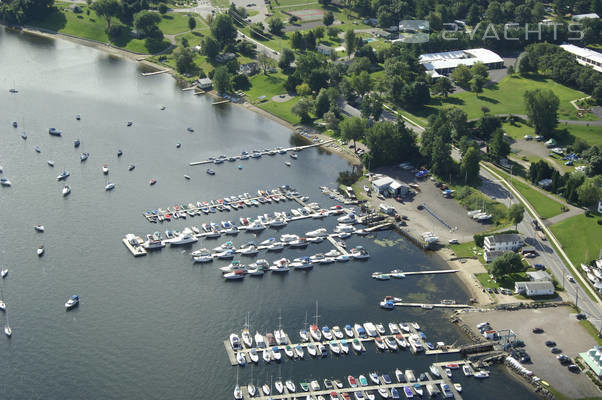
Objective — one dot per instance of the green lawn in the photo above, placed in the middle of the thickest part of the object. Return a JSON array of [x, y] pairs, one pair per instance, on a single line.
[[173, 23], [466, 250], [270, 86], [63, 20], [591, 134], [543, 205], [506, 97], [592, 330], [506, 282], [580, 237]]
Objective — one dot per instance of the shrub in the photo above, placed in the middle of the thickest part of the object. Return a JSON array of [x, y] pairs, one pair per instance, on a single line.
[[163, 8]]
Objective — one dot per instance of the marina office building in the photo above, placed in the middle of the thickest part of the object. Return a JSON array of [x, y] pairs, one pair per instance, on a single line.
[[444, 63], [585, 56]]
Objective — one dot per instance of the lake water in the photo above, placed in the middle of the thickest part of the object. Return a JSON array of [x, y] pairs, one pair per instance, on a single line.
[[153, 327]]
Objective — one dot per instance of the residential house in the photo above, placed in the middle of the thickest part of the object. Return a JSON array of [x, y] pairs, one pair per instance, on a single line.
[[204, 83], [503, 242], [323, 49], [539, 288], [223, 58], [539, 276], [249, 69]]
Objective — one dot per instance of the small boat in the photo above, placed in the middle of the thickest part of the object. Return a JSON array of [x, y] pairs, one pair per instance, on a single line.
[[152, 182], [72, 302], [254, 356], [7, 331], [187, 177], [458, 387], [290, 386], [266, 389], [54, 132], [37, 149], [78, 117], [15, 124], [237, 393], [418, 389], [240, 359], [363, 380], [178, 145], [39, 228], [64, 175], [279, 386], [466, 370], [84, 156], [2, 305], [481, 374], [3, 273], [110, 186], [448, 372], [119, 153], [294, 156], [76, 143], [435, 371], [352, 381], [210, 172], [51, 163], [5, 182], [287, 163], [408, 392], [105, 169], [251, 389], [315, 386], [24, 135], [401, 378], [66, 190], [40, 250], [304, 386], [129, 123]]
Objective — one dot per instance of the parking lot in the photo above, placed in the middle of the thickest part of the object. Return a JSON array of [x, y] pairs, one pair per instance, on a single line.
[[559, 325]]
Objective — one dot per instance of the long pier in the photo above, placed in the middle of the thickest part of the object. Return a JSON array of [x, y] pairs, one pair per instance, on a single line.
[[336, 245], [427, 305], [263, 153], [409, 273], [154, 73], [411, 346]]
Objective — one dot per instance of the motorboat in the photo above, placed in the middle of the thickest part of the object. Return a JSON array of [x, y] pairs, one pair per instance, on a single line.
[[349, 331], [458, 387], [7, 330], [466, 370], [51, 163], [240, 359], [152, 182], [370, 395], [251, 389], [446, 389], [435, 371], [352, 381], [391, 344], [2, 305], [210, 171], [72, 302], [255, 226], [64, 175], [409, 374], [235, 342], [302, 264], [119, 153], [276, 355], [314, 385], [315, 333], [299, 351], [39, 228], [259, 340], [343, 344], [359, 253], [288, 350], [54, 132], [386, 304], [312, 350], [360, 331], [418, 389], [394, 393], [24, 135], [84, 156], [281, 265], [249, 250], [110, 186], [78, 117], [384, 393], [277, 223], [393, 328], [327, 333], [380, 329], [178, 145], [337, 332], [76, 143], [129, 123], [380, 344], [481, 374], [294, 156], [265, 388], [66, 190], [404, 327], [407, 390], [37, 149], [131, 167], [357, 345], [279, 386], [362, 380], [370, 329], [186, 237], [334, 347], [40, 251], [105, 169], [374, 378], [3, 273], [290, 386]]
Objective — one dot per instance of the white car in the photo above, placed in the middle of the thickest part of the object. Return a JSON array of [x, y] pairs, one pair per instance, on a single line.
[[454, 241], [570, 278]]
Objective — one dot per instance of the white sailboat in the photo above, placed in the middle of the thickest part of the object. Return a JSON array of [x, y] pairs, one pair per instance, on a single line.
[[237, 391], [7, 330], [246, 335]]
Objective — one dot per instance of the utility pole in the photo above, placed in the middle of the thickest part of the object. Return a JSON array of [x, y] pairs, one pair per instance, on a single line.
[[577, 297]]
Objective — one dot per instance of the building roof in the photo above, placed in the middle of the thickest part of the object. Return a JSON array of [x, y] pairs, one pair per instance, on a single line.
[[396, 185], [593, 358], [384, 181], [579, 17], [538, 276], [452, 59], [583, 52], [504, 238], [204, 81], [539, 285]]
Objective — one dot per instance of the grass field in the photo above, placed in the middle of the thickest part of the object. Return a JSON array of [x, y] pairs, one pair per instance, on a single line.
[[543, 205], [506, 282], [465, 250], [591, 134], [580, 237], [270, 86], [173, 23], [506, 97]]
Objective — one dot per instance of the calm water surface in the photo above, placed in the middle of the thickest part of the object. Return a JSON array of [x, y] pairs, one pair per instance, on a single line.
[[153, 327]]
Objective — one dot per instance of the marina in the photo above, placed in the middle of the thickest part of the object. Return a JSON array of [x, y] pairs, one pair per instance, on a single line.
[[403, 336], [257, 153]]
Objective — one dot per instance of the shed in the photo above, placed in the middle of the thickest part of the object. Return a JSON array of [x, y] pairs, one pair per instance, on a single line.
[[381, 185], [397, 188]]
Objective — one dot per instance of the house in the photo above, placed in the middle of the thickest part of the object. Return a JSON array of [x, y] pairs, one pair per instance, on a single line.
[[204, 83], [390, 187], [580, 17], [223, 58], [503, 242], [444, 63], [323, 49], [539, 276], [539, 288], [249, 69], [371, 21], [489, 256], [593, 359]]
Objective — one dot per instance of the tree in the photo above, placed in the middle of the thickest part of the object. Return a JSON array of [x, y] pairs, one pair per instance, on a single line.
[[303, 89], [461, 76], [474, 14], [372, 106], [516, 213], [297, 41], [510, 70], [350, 42], [275, 25], [286, 58], [221, 80], [191, 23], [542, 110], [498, 148], [210, 47], [331, 120], [107, 9], [333, 32], [589, 192], [319, 32], [223, 29], [146, 22], [353, 129], [184, 60], [597, 94], [302, 109], [328, 18], [310, 40], [241, 82], [325, 3], [322, 104], [494, 13], [507, 263], [265, 62], [470, 166], [479, 69], [477, 83], [487, 125], [389, 144], [362, 83], [443, 87], [163, 8]]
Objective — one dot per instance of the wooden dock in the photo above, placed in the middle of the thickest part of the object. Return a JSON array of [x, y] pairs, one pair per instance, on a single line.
[[429, 306], [337, 246], [136, 251], [410, 273], [189, 88], [154, 73], [263, 153], [217, 103]]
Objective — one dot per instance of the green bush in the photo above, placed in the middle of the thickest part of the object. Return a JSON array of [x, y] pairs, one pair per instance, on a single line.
[[154, 45], [163, 8]]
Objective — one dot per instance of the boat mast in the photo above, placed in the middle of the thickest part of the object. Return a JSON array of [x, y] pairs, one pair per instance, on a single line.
[[317, 316], [305, 323]]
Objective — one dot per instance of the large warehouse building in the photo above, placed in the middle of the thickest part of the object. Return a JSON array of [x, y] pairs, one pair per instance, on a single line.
[[585, 56], [437, 64]]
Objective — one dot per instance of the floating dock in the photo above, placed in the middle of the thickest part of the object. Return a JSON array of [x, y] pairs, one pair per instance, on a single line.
[[429, 306], [264, 153], [336, 245], [217, 103], [136, 250], [413, 333], [154, 73], [435, 272]]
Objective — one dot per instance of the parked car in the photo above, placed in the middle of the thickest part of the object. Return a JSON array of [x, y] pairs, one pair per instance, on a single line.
[[574, 368], [537, 330], [581, 316], [570, 278], [550, 343], [556, 350], [454, 241], [539, 267]]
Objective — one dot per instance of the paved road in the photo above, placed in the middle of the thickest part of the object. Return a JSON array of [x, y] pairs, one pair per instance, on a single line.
[[560, 121]]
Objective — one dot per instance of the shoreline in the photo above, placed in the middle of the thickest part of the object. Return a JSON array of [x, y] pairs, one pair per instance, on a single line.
[[141, 58]]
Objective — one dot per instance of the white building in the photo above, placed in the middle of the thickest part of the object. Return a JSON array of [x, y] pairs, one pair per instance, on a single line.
[[580, 17], [437, 64], [389, 187], [593, 358], [204, 83], [539, 276], [504, 242], [585, 56], [600, 206], [539, 288]]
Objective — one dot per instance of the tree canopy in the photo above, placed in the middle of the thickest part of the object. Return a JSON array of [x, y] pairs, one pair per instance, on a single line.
[[507, 263], [542, 110]]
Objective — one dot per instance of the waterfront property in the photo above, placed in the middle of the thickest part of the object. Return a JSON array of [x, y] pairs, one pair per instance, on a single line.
[[496, 245], [537, 288], [390, 187], [444, 63]]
